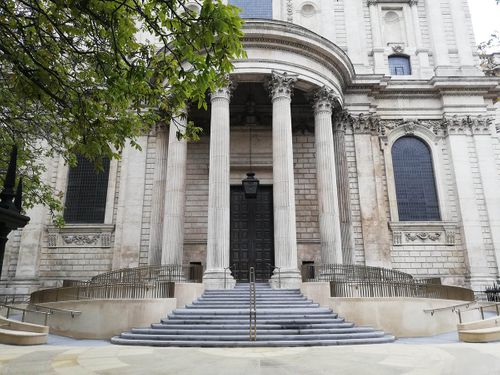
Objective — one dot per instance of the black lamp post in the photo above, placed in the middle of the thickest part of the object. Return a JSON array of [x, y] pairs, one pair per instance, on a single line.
[[10, 205]]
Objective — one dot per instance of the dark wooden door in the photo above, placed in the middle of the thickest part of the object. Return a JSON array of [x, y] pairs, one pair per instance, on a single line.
[[252, 235]]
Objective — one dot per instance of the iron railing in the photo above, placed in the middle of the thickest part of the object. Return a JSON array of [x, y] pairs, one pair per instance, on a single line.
[[350, 272], [171, 272], [24, 311], [158, 289], [414, 289], [364, 281], [253, 306]]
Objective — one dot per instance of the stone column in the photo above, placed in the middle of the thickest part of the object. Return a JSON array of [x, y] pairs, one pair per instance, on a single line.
[[462, 38], [422, 52], [219, 193], [378, 47], [329, 224], [343, 188], [285, 235], [158, 197], [175, 192], [437, 36]]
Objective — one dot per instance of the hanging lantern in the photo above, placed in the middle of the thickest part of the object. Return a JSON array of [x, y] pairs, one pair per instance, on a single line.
[[250, 186]]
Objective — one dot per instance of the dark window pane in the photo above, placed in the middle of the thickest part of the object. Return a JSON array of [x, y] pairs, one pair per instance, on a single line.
[[399, 65], [254, 8], [414, 178], [86, 193]]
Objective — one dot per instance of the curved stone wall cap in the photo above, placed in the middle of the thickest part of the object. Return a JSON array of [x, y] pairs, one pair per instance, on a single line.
[[288, 33]]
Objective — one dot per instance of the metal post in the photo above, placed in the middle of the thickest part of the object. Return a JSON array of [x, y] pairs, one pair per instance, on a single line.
[[482, 312]]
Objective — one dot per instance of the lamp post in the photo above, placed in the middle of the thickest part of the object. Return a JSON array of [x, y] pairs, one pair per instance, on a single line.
[[10, 205]]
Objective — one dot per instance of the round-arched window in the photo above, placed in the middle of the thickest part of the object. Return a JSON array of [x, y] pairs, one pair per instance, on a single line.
[[414, 179]]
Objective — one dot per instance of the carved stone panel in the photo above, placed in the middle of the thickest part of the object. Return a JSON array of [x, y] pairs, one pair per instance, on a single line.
[[423, 233], [80, 235]]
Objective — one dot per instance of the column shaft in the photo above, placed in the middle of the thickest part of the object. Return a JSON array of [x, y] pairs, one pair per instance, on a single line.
[[344, 195], [219, 193], [329, 224], [175, 191], [158, 197], [285, 236]]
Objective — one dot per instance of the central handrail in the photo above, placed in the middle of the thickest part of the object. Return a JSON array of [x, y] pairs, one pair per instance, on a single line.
[[252, 306]]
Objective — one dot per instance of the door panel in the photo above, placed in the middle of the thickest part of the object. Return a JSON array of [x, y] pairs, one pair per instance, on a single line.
[[252, 236]]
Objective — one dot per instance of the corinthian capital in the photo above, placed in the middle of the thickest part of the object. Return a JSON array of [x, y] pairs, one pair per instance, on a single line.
[[281, 85], [223, 92], [324, 98]]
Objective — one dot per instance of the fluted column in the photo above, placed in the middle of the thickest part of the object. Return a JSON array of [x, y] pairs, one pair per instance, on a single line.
[[285, 236], [219, 193], [175, 191], [343, 189], [158, 197], [329, 224]]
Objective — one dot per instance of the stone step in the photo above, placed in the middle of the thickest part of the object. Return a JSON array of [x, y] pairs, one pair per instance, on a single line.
[[263, 311], [259, 306], [246, 298], [241, 344], [279, 320], [262, 337], [244, 331], [244, 325]]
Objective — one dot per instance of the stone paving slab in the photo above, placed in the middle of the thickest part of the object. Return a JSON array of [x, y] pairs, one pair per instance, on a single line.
[[422, 356]]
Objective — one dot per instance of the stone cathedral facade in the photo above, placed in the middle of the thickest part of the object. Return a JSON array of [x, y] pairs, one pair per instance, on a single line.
[[372, 131]]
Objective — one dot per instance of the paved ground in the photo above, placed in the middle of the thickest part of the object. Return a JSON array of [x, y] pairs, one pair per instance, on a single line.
[[422, 356]]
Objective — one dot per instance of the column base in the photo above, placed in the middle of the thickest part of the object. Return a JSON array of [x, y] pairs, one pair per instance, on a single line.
[[214, 279], [479, 283], [286, 279]]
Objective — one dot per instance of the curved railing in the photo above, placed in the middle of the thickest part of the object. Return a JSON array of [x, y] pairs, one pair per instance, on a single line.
[[351, 272], [170, 272], [126, 283], [368, 282]]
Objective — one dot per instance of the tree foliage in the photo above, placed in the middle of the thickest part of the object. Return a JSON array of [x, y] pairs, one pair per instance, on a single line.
[[86, 76]]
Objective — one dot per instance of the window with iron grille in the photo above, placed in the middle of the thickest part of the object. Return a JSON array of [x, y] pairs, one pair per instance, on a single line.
[[86, 192], [399, 65], [254, 8], [414, 180]]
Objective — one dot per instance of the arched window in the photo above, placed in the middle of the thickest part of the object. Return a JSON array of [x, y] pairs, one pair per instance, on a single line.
[[414, 180], [254, 8], [86, 192], [399, 65]]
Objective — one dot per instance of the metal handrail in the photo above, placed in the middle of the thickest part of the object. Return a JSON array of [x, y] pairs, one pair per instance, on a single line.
[[481, 309], [53, 310], [453, 308], [252, 306], [225, 271], [9, 307]]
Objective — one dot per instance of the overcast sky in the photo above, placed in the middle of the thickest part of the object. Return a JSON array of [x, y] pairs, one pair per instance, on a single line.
[[485, 18]]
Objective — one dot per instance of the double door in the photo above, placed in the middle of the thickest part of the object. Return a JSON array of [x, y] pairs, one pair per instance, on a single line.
[[252, 236]]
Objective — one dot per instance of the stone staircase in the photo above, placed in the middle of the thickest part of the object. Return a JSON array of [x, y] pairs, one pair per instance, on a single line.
[[220, 318]]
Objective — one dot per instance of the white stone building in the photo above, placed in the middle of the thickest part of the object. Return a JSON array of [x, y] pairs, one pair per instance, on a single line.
[[373, 133]]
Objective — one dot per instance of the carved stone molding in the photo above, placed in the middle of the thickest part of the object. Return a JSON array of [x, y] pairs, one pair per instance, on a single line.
[[289, 10], [372, 124], [324, 99], [341, 120], [281, 84], [414, 233], [467, 125], [80, 235]]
